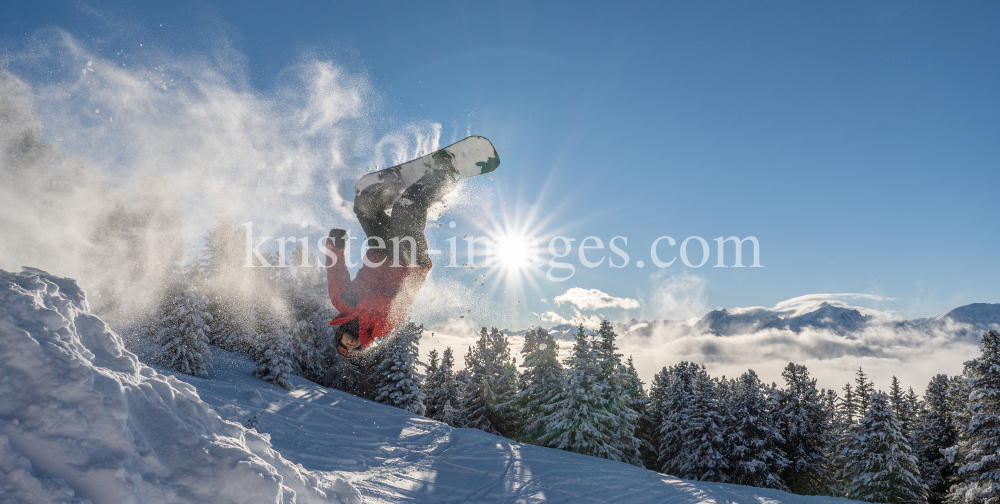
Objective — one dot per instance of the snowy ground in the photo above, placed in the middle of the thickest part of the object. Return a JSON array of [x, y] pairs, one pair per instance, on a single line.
[[82, 420], [390, 455]]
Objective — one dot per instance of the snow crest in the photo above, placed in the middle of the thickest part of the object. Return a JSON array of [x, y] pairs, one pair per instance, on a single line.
[[82, 420]]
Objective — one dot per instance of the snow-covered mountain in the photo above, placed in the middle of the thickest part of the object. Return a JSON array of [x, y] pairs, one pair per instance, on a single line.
[[834, 318], [82, 420], [976, 314], [837, 319], [967, 321]]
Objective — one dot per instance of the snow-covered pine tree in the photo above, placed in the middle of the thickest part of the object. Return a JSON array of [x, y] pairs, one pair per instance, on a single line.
[[754, 439], [840, 444], [959, 405], [452, 413], [274, 354], [397, 382], [342, 373], [851, 408], [913, 403], [652, 419], [181, 327], [960, 414], [541, 383], [884, 469], [428, 385], [638, 402], [848, 404], [725, 395], [981, 468], [913, 408], [440, 388], [806, 428], [724, 391], [846, 419], [432, 361], [462, 379], [863, 390], [935, 433], [703, 451], [449, 390], [675, 402], [315, 346], [618, 390], [896, 398], [232, 326], [903, 406], [488, 400], [306, 296], [580, 421], [449, 414]]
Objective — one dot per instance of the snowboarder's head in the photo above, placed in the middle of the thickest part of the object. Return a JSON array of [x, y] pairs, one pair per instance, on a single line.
[[348, 339]]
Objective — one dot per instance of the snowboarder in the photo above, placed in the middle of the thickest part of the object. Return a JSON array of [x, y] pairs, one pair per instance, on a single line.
[[391, 206]]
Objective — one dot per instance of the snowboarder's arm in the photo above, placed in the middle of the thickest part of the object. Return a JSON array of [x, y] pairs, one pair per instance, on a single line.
[[338, 278], [373, 325]]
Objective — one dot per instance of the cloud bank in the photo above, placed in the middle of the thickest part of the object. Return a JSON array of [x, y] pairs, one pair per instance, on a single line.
[[593, 299], [914, 356]]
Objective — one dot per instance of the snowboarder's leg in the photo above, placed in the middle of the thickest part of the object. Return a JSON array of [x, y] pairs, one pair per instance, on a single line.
[[409, 216], [409, 209], [370, 206], [408, 222]]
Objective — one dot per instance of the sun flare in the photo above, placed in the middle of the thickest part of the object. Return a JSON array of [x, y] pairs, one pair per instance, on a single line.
[[516, 252]]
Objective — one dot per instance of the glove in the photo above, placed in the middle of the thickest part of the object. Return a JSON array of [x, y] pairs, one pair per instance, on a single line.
[[337, 238]]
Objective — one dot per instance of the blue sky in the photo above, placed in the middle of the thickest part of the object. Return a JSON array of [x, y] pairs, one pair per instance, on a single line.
[[857, 141]]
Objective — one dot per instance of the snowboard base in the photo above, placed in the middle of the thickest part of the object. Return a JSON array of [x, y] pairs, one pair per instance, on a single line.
[[466, 158]]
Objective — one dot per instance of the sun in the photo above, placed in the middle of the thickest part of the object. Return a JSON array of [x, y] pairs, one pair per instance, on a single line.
[[517, 235], [516, 252]]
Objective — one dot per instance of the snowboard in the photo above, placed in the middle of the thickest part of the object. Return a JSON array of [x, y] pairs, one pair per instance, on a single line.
[[466, 158]]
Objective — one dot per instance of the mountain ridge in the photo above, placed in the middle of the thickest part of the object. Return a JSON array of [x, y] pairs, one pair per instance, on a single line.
[[968, 321]]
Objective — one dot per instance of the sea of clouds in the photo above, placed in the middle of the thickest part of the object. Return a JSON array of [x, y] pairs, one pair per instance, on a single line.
[[884, 347]]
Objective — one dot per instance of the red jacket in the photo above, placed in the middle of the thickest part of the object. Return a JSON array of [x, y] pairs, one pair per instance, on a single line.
[[383, 293]]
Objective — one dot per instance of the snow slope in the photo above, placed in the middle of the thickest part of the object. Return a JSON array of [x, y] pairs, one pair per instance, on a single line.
[[978, 315], [390, 455], [81, 418]]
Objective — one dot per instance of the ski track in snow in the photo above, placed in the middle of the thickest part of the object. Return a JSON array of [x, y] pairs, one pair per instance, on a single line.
[[391, 456]]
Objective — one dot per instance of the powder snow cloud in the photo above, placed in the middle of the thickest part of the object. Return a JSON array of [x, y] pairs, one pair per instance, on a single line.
[[675, 296], [115, 165]]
